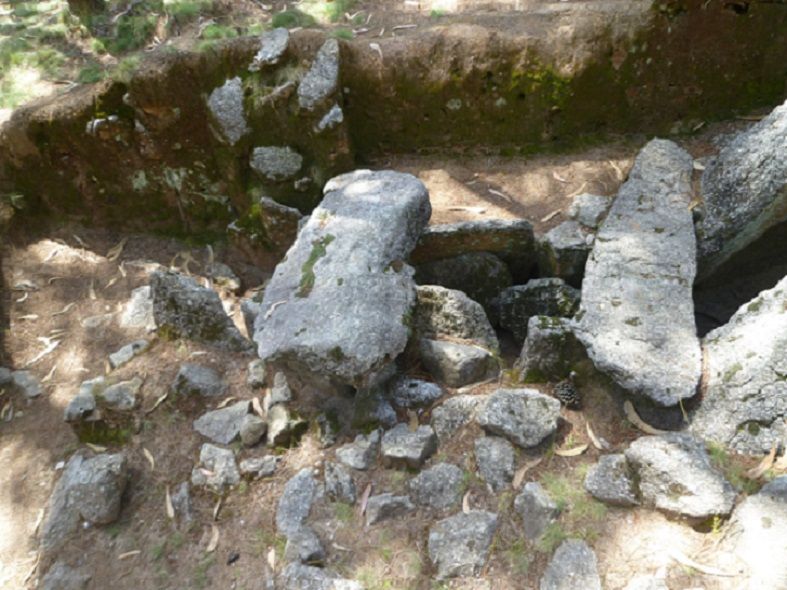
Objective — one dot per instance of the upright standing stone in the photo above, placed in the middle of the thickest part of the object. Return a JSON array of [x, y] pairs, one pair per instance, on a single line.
[[636, 317], [338, 308], [322, 80]]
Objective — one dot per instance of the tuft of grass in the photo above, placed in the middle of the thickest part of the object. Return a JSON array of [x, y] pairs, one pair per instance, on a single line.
[[289, 19], [344, 512], [553, 536], [91, 74], [133, 32], [201, 571], [518, 557], [335, 10], [581, 515], [123, 73], [731, 468], [346, 34], [214, 32]]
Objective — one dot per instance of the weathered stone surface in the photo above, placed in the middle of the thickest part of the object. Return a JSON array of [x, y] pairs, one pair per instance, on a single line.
[[304, 546], [273, 45], [322, 80], [637, 316], [387, 506], [454, 413], [408, 392], [184, 308], [573, 567], [195, 379], [480, 275], [258, 467], [64, 577], [276, 163], [222, 276], [563, 252], [225, 103], [744, 191], [448, 312], [494, 457], [362, 452], [457, 364], [646, 583], [83, 404], [550, 350], [181, 503], [121, 396], [283, 428], [89, 489], [459, 545], [524, 416], [547, 297], [216, 470], [257, 374], [755, 542], [745, 397], [280, 392], [438, 487], [297, 576], [124, 354], [372, 408], [6, 376], [536, 509], [675, 475], [138, 312], [296, 502], [252, 429], [511, 240], [332, 119], [223, 425], [280, 224], [27, 384], [412, 448], [589, 209], [610, 480], [339, 304], [339, 484]]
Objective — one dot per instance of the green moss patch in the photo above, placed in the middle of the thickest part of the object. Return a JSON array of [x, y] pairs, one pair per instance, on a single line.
[[319, 249]]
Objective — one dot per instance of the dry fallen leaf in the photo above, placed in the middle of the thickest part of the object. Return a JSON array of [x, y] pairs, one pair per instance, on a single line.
[[149, 457], [225, 402], [272, 558], [169, 506], [412, 420], [7, 413], [111, 282], [65, 310], [466, 503], [364, 499], [599, 443], [157, 403], [115, 252], [49, 375], [576, 451], [257, 407], [128, 554], [92, 291], [559, 178], [519, 476], [711, 571], [217, 508], [634, 418], [765, 465], [95, 448], [214, 540], [549, 216], [28, 317]]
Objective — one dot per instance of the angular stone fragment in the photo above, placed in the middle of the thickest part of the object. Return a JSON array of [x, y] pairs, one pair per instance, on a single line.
[[276, 163], [387, 506], [480, 275], [280, 392], [223, 425], [297, 576], [304, 546], [545, 297], [457, 364], [573, 567], [438, 487], [675, 475], [494, 457], [637, 315], [524, 416], [401, 445], [442, 312], [283, 428], [536, 509], [361, 453], [63, 577], [181, 503], [26, 383], [338, 307], [563, 252], [138, 312], [121, 396], [744, 191], [123, 355], [322, 80], [550, 350], [257, 374], [412, 393], [459, 545], [339, 484], [89, 489], [332, 118], [611, 482], [296, 502], [216, 470], [195, 379], [225, 103], [454, 413], [273, 45], [280, 224], [745, 398], [509, 239], [589, 209], [258, 467], [252, 429], [183, 308]]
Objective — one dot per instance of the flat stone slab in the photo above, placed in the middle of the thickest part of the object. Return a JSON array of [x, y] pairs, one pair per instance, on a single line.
[[675, 475], [610, 481], [338, 308], [451, 313], [457, 364], [459, 545], [454, 413], [401, 445], [438, 487], [745, 398], [216, 470], [295, 502], [573, 567], [524, 416], [223, 425], [322, 80], [636, 317], [495, 459], [536, 509], [547, 297], [387, 506]]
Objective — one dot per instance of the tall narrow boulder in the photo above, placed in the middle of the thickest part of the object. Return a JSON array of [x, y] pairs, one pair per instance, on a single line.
[[637, 316], [744, 190], [339, 306]]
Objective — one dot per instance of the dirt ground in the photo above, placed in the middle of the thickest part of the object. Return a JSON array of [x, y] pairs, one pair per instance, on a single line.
[[58, 278]]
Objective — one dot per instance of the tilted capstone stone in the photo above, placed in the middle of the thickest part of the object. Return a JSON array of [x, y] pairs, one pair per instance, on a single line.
[[339, 307]]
